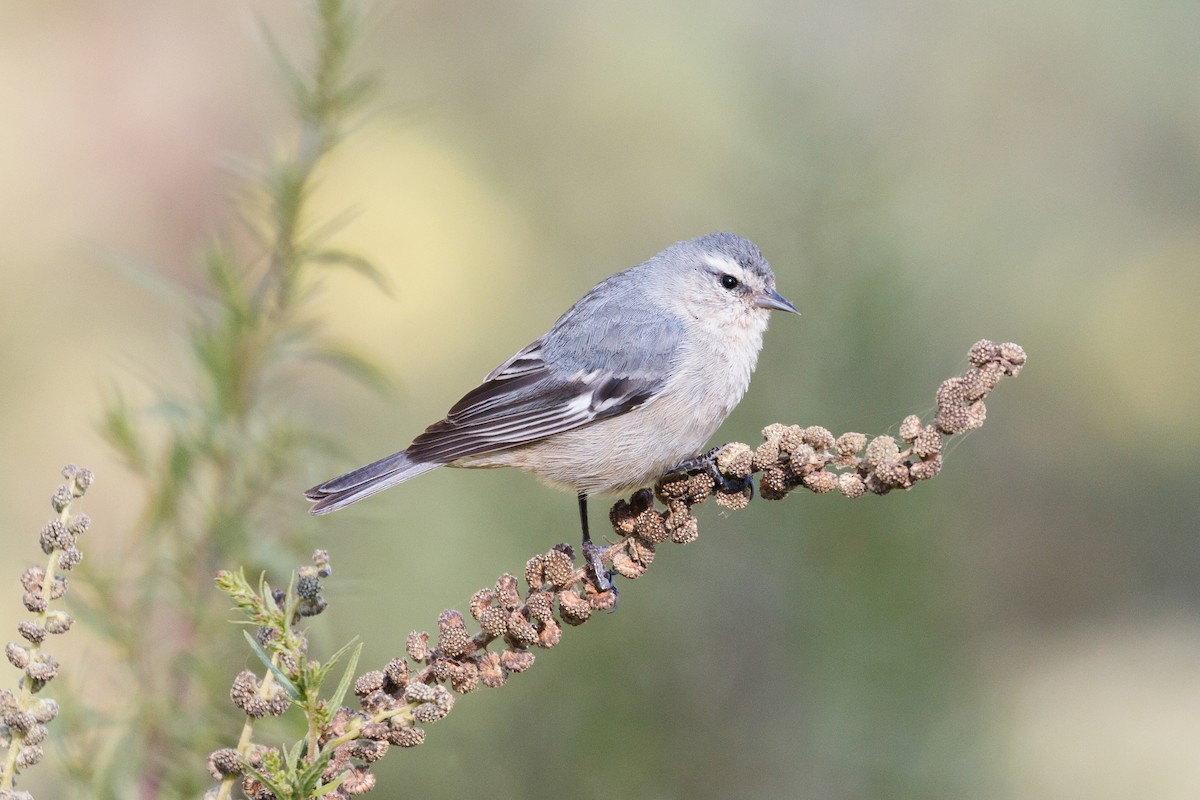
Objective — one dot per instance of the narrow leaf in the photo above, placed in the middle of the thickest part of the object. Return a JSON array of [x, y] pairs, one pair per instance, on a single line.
[[280, 678]]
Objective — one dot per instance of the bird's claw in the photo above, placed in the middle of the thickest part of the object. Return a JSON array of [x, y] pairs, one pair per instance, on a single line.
[[592, 555], [707, 464]]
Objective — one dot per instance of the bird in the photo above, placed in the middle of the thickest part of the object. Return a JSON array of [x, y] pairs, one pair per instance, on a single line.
[[628, 384]]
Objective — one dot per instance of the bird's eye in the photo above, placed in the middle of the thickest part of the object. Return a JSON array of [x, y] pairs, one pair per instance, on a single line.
[[729, 282]]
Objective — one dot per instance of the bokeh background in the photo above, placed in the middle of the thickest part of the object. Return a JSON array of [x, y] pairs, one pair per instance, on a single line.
[[920, 175]]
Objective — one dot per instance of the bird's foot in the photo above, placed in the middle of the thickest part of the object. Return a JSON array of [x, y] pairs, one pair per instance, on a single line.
[[592, 556], [707, 464], [603, 578]]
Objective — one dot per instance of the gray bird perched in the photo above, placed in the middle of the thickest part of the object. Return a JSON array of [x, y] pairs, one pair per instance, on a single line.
[[632, 380]]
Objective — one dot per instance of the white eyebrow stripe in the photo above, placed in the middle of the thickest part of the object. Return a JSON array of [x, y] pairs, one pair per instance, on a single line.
[[721, 263]]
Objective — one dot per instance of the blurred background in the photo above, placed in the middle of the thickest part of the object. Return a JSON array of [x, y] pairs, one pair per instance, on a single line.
[[919, 175]]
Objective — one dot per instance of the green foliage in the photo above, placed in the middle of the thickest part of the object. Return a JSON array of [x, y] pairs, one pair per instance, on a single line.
[[295, 772], [208, 453]]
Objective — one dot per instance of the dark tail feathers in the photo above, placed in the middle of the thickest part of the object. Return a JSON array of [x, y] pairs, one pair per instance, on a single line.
[[365, 481]]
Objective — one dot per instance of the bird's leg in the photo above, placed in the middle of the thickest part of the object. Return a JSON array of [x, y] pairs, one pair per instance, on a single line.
[[707, 464], [591, 552]]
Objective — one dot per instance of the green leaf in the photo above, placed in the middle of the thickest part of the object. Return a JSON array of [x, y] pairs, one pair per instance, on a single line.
[[280, 678], [357, 263], [335, 701]]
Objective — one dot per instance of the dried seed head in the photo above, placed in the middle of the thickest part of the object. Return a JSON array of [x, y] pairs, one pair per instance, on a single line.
[[910, 427], [244, 694], [320, 559], [80, 477], [79, 524], [36, 734], [494, 621], [818, 438], [685, 531], [678, 512], [417, 646], [549, 635], [651, 526], [851, 485], [480, 602], [621, 517], [427, 712], [358, 780], [60, 499], [375, 731], [803, 458], [44, 710], [978, 382], [29, 755], [626, 566], [464, 678], [821, 481], [55, 536], [520, 630], [34, 601], [735, 501], [875, 485], [601, 600], [418, 692], [850, 443], [924, 470], [674, 489], [17, 655], [791, 438], [41, 670], [540, 606], [516, 660], [1008, 356], [225, 761], [19, 720], [440, 667], [572, 608], [69, 558], [560, 569], [700, 487], [396, 673], [766, 455], [981, 352], [453, 638], [368, 749], [893, 474], [31, 631], [490, 672], [58, 622], [31, 579], [407, 736], [882, 450], [508, 592], [927, 442], [308, 585], [642, 552], [369, 682], [534, 570], [774, 484], [377, 701], [735, 460]]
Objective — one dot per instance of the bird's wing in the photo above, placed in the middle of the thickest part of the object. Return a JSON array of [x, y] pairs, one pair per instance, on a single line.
[[589, 367]]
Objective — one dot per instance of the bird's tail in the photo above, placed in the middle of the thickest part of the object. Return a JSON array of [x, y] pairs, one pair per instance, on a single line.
[[365, 481]]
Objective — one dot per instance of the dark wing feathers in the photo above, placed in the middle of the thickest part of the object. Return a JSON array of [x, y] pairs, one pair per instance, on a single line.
[[503, 413]]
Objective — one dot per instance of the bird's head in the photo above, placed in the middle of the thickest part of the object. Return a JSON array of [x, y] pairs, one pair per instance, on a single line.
[[724, 279]]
